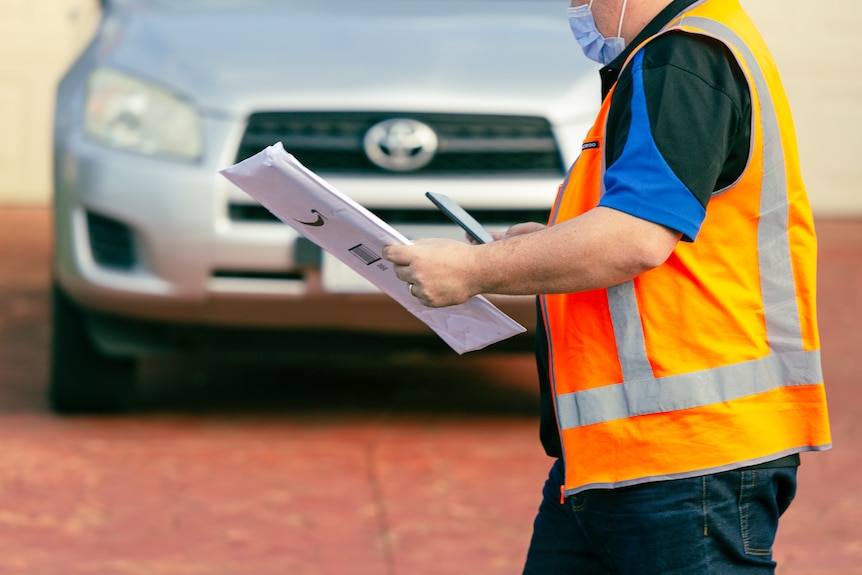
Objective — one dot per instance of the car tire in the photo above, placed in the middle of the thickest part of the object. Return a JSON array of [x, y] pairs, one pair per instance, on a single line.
[[82, 379]]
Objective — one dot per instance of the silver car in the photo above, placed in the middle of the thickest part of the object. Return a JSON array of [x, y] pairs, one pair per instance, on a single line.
[[486, 101]]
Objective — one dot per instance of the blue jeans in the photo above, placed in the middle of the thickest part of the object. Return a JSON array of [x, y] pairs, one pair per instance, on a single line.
[[719, 524]]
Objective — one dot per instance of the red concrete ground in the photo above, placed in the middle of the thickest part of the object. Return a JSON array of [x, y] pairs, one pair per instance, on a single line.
[[417, 467]]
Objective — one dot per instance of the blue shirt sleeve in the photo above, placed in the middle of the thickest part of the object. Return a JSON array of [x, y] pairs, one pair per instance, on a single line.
[[641, 183]]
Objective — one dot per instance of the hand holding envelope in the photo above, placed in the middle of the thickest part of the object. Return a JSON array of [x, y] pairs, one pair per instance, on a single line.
[[354, 235]]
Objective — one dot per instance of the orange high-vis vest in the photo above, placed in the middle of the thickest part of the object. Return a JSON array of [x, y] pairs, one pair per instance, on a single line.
[[711, 361]]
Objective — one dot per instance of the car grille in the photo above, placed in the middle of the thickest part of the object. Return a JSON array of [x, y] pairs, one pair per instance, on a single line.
[[468, 144], [111, 242]]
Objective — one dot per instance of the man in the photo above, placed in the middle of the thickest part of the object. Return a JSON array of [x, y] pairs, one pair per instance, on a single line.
[[677, 347]]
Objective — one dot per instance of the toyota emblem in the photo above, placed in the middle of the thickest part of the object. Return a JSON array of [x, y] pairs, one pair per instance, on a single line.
[[400, 144]]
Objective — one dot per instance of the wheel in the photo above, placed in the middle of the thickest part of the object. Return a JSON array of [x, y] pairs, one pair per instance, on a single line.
[[83, 380]]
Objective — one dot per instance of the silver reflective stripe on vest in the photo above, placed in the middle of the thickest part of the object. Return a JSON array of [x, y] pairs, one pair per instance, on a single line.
[[629, 332], [783, 326], [788, 364], [689, 390]]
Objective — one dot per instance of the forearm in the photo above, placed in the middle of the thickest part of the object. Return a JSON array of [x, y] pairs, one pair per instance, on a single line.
[[597, 250], [602, 248]]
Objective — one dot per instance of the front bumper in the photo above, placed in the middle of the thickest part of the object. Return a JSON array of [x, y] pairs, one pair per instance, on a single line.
[[191, 263]]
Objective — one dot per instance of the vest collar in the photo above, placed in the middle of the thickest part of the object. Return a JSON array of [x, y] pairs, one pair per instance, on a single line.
[[610, 73]]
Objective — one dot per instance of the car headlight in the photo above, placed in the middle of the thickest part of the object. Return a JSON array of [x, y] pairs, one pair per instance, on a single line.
[[131, 114]]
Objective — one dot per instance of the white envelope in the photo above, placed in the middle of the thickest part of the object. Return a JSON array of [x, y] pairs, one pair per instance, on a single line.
[[355, 236]]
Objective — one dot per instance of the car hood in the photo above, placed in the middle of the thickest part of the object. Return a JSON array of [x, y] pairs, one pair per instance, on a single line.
[[236, 56]]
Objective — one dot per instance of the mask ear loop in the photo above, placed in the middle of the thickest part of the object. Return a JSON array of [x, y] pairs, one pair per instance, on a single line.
[[622, 14]]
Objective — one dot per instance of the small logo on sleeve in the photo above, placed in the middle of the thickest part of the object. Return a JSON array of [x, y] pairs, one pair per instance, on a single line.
[[590, 145]]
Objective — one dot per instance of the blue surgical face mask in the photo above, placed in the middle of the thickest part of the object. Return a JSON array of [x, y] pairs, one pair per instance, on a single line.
[[595, 46]]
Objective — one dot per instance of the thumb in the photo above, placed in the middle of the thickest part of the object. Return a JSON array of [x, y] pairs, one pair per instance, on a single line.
[[397, 254]]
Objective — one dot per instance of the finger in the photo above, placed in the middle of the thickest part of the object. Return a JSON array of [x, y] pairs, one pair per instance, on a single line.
[[399, 255], [413, 289], [417, 293], [402, 273], [524, 228]]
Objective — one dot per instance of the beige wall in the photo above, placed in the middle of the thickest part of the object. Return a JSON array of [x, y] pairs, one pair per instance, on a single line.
[[817, 47], [816, 50], [38, 38]]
